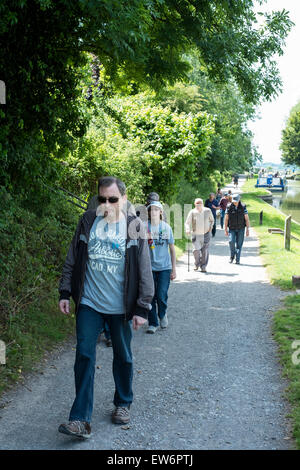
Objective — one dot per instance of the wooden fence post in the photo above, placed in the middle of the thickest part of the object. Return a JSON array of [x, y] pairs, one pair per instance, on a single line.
[[261, 217], [287, 232]]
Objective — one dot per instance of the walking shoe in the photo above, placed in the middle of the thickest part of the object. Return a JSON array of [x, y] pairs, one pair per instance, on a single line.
[[164, 321], [151, 329], [203, 270], [231, 259], [109, 343], [80, 429], [195, 268], [237, 262], [121, 415]]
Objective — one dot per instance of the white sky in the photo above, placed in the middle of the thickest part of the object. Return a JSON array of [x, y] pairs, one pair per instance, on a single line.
[[267, 130]]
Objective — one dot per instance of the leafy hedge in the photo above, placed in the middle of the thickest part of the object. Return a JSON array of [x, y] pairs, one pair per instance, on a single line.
[[33, 249]]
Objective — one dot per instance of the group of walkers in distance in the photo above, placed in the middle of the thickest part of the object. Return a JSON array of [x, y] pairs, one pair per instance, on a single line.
[[118, 271], [201, 225]]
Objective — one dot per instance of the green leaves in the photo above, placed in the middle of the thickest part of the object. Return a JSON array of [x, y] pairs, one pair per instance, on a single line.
[[290, 143], [138, 43], [157, 147]]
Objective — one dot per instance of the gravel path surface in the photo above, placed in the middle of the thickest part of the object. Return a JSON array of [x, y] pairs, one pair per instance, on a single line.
[[212, 380]]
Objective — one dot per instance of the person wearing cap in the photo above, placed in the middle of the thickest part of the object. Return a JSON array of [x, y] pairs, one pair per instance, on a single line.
[[152, 197], [163, 262], [223, 205], [141, 209], [236, 219], [199, 224]]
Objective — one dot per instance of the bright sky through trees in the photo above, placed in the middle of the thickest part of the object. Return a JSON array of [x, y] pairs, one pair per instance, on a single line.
[[267, 130]]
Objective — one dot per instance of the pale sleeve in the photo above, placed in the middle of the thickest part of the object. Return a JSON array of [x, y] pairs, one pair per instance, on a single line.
[[211, 217], [188, 221]]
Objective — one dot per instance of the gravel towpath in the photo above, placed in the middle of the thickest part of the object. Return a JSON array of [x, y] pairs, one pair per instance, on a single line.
[[211, 380]]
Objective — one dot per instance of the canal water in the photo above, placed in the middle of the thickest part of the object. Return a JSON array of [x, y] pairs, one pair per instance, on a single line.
[[288, 201]]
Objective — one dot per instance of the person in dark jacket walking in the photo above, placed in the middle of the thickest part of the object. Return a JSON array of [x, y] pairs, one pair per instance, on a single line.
[[108, 274], [235, 181], [236, 219], [213, 205]]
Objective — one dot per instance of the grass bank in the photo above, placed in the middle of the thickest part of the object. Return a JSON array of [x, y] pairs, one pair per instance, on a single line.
[[281, 265], [33, 248]]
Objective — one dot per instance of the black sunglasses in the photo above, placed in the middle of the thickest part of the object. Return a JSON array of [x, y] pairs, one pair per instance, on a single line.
[[111, 200]]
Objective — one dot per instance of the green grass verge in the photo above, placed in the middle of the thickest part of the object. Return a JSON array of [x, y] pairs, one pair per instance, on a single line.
[[29, 336], [280, 263], [33, 250], [249, 186], [281, 266], [286, 329]]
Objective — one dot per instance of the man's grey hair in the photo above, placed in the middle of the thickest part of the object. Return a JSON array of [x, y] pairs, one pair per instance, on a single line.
[[107, 181]]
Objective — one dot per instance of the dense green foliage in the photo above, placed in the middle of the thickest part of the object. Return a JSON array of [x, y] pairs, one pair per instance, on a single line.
[[290, 142], [33, 249], [150, 146], [44, 51], [231, 142], [157, 140], [104, 151]]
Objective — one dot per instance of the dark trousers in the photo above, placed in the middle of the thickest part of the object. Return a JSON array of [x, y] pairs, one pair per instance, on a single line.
[[222, 217], [88, 325], [213, 231]]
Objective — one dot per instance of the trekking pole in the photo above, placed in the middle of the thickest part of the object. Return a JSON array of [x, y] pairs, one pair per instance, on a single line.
[[188, 247]]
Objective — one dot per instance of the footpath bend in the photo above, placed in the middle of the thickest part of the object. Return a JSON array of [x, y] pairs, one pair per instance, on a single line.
[[211, 380]]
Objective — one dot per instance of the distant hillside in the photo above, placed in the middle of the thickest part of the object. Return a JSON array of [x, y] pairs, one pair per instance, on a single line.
[[277, 166], [273, 165]]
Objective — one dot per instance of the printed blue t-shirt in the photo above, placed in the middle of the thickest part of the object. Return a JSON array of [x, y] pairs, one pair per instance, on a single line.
[[162, 236], [105, 273]]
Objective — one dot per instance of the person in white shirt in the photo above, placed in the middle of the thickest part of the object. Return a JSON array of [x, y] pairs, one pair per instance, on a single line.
[[199, 224]]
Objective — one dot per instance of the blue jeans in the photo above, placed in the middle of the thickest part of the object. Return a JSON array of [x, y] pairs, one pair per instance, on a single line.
[[106, 330], [88, 325], [161, 286], [236, 240]]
